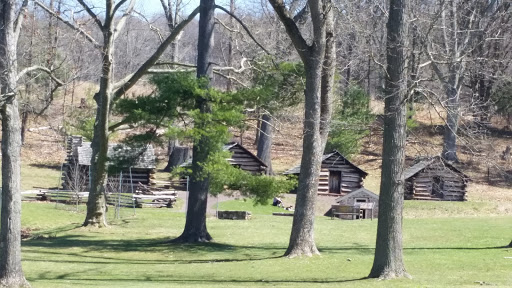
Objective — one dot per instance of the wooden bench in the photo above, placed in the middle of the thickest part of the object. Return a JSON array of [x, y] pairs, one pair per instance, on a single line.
[[341, 210]]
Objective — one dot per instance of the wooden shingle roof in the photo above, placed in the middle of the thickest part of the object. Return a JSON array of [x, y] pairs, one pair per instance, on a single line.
[[418, 167], [140, 157], [339, 158], [230, 147]]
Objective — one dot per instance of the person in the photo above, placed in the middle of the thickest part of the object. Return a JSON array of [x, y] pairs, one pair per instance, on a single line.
[[277, 202]]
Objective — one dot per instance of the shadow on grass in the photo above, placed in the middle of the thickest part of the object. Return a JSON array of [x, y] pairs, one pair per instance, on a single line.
[[161, 246], [45, 166], [170, 280], [371, 249]]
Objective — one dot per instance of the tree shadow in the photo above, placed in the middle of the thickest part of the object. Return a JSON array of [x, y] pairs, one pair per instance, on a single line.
[[45, 166], [196, 281], [365, 249], [54, 245]]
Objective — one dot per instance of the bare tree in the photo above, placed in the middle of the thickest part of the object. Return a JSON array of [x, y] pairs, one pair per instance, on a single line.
[[448, 58], [110, 26], [11, 273], [317, 56], [388, 261], [75, 179]]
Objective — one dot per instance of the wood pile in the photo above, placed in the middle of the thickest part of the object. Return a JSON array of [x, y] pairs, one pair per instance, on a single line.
[[148, 196]]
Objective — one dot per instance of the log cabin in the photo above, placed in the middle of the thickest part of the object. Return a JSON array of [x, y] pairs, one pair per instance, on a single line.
[[136, 164], [240, 158], [338, 176], [435, 179], [362, 199]]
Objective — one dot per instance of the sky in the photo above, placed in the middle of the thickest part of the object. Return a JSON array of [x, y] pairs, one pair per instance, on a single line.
[[152, 7]]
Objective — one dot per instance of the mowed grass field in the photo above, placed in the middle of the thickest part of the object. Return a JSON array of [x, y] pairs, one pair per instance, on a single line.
[[459, 251]]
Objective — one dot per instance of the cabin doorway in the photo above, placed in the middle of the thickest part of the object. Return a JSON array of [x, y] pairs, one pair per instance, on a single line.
[[358, 201], [335, 182]]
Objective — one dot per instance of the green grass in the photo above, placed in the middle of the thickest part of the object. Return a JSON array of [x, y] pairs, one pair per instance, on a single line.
[[439, 252], [34, 177]]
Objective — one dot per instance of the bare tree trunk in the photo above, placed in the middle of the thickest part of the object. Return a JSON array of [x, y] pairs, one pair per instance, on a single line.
[[258, 127], [11, 273], [265, 142], [24, 123], [96, 203], [302, 236], [229, 85], [180, 155], [327, 85], [171, 145], [388, 261], [302, 240], [452, 124], [315, 116], [195, 227]]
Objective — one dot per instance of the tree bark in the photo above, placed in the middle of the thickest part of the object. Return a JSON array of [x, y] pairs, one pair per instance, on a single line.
[[195, 227], [265, 142], [452, 124], [179, 155], [302, 236], [327, 85], [96, 203], [11, 273], [388, 261], [171, 145]]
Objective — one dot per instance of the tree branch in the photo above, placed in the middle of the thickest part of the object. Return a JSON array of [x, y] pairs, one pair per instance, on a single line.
[[226, 26], [126, 84], [291, 27], [301, 16], [244, 26], [233, 69], [71, 25], [91, 13], [118, 6], [19, 19], [40, 68], [167, 13], [217, 72], [122, 21], [6, 97]]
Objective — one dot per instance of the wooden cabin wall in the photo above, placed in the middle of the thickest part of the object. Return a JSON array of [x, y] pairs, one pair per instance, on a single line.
[[351, 201], [138, 175], [245, 161], [453, 188], [351, 179]]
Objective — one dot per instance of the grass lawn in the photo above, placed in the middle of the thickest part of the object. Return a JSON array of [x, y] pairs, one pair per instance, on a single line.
[[439, 252]]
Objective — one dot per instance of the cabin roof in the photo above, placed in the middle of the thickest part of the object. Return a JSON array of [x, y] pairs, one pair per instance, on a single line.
[[229, 147], [361, 190], [418, 167], [296, 169], [232, 145], [140, 157]]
